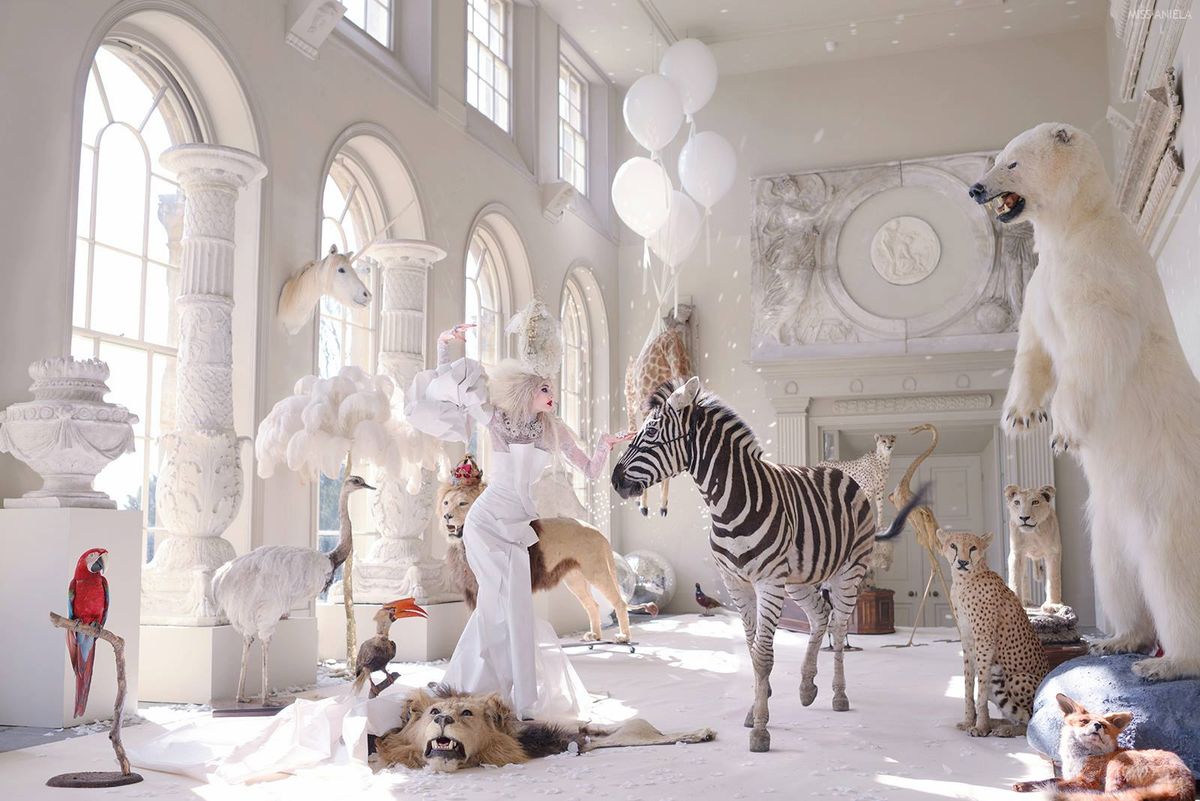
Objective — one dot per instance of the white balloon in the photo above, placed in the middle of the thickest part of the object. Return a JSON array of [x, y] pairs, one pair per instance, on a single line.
[[653, 112], [676, 240], [690, 65], [707, 167], [641, 193]]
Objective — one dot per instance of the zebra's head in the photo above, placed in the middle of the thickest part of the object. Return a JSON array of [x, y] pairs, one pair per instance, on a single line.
[[659, 450]]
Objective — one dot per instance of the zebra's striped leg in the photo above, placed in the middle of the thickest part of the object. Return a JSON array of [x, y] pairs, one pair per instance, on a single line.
[[744, 598], [762, 655], [813, 603], [840, 622], [843, 595]]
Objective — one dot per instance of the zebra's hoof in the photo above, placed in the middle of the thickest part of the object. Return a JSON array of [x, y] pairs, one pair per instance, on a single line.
[[645, 511], [841, 703], [808, 694], [760, 741], [662, 512]]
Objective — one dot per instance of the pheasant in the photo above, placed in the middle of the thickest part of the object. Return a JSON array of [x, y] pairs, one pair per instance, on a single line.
[[375, 653], [706, 603]]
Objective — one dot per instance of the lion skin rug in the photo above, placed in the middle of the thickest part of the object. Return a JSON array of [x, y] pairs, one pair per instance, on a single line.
[[447, 730]]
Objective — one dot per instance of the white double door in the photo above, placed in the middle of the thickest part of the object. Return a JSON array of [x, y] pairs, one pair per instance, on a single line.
[[957, 497]]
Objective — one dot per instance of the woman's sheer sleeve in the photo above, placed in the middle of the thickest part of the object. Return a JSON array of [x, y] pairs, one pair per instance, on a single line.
[[448, 400], [591, 466]]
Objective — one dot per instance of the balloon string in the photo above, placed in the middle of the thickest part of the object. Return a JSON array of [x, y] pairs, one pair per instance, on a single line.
[[707, 239], [645, 264]]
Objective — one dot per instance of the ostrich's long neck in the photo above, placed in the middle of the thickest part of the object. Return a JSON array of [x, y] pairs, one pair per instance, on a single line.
[[339, 554]]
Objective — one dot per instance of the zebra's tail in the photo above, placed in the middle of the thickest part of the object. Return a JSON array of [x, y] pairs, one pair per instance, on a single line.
[[897, 525]]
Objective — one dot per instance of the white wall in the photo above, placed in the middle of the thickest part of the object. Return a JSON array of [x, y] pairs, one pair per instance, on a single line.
[[300, 108], [906, 106]]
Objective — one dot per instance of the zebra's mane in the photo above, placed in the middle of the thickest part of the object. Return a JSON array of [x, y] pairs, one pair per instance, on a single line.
[[712, 405]]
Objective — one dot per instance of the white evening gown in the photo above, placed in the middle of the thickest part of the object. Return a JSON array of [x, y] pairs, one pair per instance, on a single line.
[[505, 648]]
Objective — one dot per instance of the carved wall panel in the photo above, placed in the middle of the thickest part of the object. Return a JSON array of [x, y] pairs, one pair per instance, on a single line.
[[863, 260]]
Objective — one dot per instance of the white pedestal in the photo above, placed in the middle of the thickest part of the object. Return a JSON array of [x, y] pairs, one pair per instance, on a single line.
[[417, 639], [199, 664], [37, 685]]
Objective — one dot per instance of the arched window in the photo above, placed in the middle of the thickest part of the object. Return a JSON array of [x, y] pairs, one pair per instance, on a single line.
[[487, 296], [127, 253], [488, 308], [576, 381], [350, 206], [351, 212]]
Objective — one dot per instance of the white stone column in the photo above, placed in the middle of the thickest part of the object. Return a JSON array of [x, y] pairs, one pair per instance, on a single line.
[[200, 476], [399, 562], [791, 412]]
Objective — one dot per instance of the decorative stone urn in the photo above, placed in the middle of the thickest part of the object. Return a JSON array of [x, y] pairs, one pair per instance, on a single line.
[[399, 562], [68, 433]]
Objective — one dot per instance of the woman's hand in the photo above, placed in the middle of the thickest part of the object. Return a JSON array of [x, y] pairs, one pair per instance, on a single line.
[[456, 334], [613, 439]]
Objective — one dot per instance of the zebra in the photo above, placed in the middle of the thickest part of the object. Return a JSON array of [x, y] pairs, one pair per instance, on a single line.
[[775, 529]]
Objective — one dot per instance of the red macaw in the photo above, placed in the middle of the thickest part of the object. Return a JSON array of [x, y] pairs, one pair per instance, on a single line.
[[87, 602]]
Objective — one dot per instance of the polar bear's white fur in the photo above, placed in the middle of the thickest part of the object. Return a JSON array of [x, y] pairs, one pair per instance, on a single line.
[[1098, 346]]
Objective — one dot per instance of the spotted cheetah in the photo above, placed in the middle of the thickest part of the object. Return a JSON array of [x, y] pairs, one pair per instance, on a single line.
[[1001, 652], [870, 471]]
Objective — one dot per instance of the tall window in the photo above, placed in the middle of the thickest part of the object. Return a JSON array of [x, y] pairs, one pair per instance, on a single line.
[[346, 336], [576, 383], [489, 83], [373, 16], [572, 121], [487, 308], [127, 254]]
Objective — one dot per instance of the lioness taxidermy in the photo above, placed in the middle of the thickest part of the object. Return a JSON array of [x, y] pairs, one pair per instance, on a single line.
[[448, 730], [568, 551]]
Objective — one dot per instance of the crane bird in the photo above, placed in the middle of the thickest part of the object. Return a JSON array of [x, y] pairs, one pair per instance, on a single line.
[[259, 588]]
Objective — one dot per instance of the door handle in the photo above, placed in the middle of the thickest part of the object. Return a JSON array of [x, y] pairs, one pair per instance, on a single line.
[[912, 593], [936, 594]]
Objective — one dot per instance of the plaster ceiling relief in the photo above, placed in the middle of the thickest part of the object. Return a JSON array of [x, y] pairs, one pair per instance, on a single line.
[[905, 250], [626, 37], [883, 258]]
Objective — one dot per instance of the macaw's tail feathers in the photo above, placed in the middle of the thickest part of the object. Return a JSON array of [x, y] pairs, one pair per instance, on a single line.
[[360, 680], [83, 657]]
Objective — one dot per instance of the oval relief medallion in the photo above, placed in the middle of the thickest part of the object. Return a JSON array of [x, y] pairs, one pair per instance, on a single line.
[[905, 250]]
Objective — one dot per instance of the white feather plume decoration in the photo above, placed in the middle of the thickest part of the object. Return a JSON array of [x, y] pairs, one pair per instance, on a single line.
[[311, 431], [539, 339]]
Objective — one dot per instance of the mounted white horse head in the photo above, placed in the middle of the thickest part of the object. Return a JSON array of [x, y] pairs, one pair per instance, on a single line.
[[334, 276]]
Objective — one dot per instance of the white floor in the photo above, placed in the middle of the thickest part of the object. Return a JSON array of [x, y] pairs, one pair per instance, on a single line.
[[897, 742]]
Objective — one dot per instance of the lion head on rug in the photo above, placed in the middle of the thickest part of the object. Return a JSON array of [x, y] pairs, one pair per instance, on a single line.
[[446, 730]]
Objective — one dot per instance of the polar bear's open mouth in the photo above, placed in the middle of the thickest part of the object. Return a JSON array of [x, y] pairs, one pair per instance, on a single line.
[[1008, 206]]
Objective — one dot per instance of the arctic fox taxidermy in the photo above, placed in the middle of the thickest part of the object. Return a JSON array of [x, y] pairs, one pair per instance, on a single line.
[[1098, 357]]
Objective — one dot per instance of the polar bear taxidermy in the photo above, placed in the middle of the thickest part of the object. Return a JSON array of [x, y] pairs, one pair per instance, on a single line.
[[1098, 358], [1033, 535]]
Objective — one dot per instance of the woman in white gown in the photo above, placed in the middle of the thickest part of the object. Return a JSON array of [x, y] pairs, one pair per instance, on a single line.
[[505, 648]]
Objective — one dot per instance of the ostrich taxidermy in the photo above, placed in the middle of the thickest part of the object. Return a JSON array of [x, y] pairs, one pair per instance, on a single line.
[[258, 589], [377, 652]]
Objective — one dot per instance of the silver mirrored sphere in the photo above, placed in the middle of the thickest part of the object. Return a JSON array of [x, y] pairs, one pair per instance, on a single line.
[[655, 578], [626, 578]]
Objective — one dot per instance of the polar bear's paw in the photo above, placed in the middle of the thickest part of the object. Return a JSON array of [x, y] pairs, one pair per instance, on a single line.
[[1164, 668], [1061, 443], [1022, 418], [1121, 644]]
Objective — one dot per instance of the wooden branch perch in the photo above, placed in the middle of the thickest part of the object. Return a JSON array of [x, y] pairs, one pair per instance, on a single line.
[[118, 644]]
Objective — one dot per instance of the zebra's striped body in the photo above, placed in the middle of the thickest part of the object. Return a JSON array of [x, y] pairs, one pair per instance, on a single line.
[[776, 529]]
